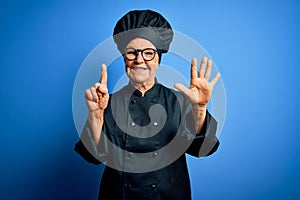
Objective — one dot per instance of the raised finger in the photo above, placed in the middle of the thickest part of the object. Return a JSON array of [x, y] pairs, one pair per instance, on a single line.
[[215, 79], [202, 67], [194, 68], [103, 74], [208, 70]]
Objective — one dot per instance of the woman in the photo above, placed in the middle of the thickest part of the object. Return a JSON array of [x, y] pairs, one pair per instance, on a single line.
[[143, 131]]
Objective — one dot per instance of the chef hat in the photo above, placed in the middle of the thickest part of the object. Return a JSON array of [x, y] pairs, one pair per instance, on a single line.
[[145, 24]]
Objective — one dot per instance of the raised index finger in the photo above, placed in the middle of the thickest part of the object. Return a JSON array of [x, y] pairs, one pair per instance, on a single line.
[[103, 74]]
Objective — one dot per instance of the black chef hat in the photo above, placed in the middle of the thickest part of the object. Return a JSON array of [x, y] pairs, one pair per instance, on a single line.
[[145, 24]]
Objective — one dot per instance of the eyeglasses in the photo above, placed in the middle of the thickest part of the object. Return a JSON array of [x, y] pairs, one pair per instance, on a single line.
[[148, 54]]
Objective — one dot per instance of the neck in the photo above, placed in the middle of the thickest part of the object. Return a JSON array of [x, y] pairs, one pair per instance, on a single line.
[[143, 87]]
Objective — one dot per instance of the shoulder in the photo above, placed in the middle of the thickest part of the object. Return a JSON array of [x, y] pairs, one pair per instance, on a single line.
[[125, 90], [165, 89]]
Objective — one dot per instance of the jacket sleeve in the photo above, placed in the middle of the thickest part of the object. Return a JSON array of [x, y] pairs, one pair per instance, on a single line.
[[205, 143], [87, 149]]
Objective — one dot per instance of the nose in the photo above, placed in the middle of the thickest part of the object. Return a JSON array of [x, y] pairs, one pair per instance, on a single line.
[[139, 57]]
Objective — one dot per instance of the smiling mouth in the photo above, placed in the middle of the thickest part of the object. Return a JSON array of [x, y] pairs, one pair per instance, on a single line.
[[139, 68]]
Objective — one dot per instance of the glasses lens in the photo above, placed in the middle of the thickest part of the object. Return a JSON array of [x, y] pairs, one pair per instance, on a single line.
[[148, 54], [130, 54]]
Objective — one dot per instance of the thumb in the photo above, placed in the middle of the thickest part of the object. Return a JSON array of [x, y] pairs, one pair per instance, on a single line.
[[182, 89]]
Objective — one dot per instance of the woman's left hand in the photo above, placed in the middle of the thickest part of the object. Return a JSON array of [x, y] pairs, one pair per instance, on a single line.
[[200, 89]]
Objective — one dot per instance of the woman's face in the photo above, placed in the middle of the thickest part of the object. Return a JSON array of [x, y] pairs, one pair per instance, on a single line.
[[138, 70]]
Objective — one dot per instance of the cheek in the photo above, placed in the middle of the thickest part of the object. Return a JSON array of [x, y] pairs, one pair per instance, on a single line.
[[154, 68], [156, 58], [155, 63], [127, 66]]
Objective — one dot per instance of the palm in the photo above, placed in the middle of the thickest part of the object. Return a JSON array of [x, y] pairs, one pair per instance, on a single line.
[[101, 102], [200, 89]]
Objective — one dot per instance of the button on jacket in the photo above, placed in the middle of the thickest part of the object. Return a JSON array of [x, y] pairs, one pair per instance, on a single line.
[[143, 144]]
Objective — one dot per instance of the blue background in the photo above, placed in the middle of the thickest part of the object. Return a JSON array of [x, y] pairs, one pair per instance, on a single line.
[[254, 43]]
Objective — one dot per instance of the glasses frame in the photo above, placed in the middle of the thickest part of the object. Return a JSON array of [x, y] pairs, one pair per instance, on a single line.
[[137, 52]]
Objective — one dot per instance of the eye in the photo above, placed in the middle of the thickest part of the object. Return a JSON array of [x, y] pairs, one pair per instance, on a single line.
[[148, 52], [131, 52]]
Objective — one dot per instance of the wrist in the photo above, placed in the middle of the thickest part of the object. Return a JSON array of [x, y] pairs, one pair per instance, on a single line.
[[199, 113], [199, 107], [96, 114]]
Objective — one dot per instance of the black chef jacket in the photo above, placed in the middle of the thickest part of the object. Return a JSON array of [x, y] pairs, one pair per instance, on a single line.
[[140, 164]]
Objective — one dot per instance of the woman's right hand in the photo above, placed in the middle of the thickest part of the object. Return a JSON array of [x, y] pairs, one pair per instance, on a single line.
[[97, 97]]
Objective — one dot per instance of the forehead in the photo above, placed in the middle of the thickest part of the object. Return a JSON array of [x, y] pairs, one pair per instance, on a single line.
[[140, 43]]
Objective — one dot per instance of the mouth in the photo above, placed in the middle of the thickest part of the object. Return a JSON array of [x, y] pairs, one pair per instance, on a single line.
[[139, 68]]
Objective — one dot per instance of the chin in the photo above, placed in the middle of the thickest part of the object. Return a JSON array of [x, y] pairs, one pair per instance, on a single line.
[[139, 80]]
